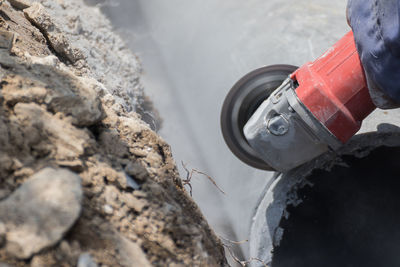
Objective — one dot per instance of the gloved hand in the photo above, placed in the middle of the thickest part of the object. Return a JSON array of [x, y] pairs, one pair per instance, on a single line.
[[376, 28]]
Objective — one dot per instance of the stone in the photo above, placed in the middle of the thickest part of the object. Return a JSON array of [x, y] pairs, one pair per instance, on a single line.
[[61, 91], [37, 14], [38, 261], [137, 170], [18, 88], [134, 203], [6, 39], [3, 231], [20, 4], [112, 143], [85, 260], [110, 194], [41, 211], [131, 253], [4, 138], [6, 162], [65, 248], [69, 141], [108, 209], [132, 183], [73, 98], [74, 165], [50, 60]]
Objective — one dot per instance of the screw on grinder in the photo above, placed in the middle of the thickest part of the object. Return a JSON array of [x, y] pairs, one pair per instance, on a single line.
[[240, 104], [317, 108]]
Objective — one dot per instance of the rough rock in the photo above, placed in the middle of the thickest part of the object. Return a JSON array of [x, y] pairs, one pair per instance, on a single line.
[[132, 254], [60, 91], [69, 142], [38, 15], [134, 203], [85, 260], [20, 4], [40, 212], [6, 40], [71, 103]]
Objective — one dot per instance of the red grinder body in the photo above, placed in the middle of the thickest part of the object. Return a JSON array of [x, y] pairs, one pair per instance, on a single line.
[[334, 89], [279, 117]]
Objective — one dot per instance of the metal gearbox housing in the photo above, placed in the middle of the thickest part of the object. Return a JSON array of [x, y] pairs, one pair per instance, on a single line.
[[284, 133], [240, 104]]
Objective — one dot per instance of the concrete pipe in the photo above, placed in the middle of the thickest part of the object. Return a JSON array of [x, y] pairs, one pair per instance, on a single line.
[[342, 209]]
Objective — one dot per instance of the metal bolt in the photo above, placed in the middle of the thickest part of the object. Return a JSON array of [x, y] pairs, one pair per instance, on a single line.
[[276, 97], [278, 125]]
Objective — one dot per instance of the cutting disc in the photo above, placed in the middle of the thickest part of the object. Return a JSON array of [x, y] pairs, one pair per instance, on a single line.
[[242, 101]]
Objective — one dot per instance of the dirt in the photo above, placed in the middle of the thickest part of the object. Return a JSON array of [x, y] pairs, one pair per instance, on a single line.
[[71, 98]]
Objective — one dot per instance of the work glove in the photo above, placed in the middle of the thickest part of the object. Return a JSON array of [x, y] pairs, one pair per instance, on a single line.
[[376, 28]]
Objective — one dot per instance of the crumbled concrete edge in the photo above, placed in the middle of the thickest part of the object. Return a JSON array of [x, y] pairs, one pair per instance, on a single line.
[[74, 151], [90, 45], [265, 233]]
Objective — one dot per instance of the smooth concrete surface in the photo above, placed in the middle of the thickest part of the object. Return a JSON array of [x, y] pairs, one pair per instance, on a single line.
[[348, 217], [192, 53], [284, 196]]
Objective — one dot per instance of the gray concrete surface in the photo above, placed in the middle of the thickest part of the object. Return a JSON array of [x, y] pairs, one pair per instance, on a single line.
[[266, 233], [192, 53]]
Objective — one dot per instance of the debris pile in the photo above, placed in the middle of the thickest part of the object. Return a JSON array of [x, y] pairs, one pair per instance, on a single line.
[[84, 181]]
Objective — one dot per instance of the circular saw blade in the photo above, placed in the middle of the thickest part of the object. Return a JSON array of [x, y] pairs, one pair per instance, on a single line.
[[240, 104]]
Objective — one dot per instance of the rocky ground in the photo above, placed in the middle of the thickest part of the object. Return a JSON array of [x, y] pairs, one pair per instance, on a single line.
[[84, 181]]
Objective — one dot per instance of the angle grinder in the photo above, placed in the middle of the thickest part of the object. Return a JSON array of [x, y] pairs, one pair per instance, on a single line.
[[279, 117]]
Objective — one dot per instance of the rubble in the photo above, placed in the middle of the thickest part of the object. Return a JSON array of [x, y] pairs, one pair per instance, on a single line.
[[20, 4], [40, 212], [85, 260], [57, 41], [84, 181]]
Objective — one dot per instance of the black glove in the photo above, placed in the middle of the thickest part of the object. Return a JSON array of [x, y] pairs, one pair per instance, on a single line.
[[376, 27]]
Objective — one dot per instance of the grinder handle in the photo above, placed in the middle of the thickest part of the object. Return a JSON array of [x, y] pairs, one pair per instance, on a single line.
[[334, 89]]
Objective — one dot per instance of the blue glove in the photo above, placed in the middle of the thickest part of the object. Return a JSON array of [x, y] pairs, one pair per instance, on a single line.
[[376, 28]]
